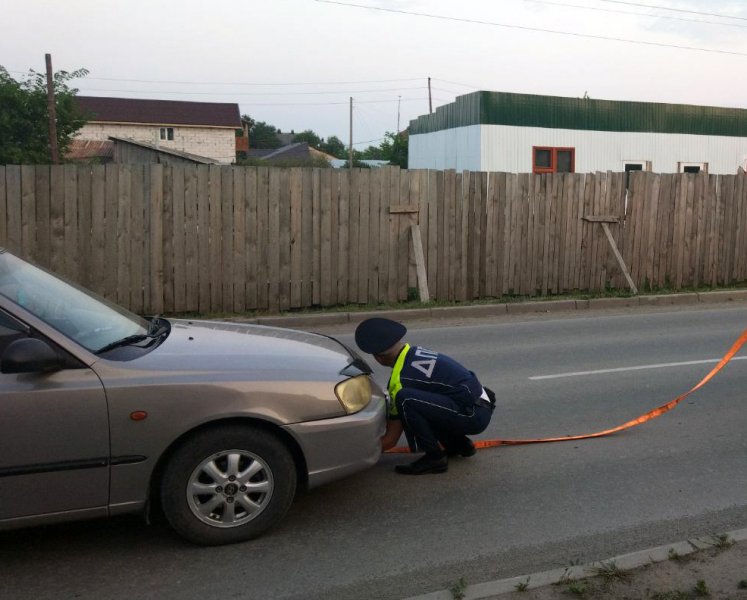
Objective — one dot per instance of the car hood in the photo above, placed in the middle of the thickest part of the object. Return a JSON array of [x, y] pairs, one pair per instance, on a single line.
[[254, 350]]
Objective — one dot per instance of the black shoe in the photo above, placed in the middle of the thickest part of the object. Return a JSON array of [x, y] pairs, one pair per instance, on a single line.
[[465, 448], [425, 464], [468, 448]]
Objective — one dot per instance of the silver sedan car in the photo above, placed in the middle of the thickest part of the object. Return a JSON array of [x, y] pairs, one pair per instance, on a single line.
[[103, 412]]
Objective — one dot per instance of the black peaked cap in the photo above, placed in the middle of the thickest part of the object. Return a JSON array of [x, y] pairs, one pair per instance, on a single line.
[[377, 334]]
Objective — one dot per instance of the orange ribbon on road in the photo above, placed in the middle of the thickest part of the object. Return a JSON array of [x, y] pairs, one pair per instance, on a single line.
[[652, 414]]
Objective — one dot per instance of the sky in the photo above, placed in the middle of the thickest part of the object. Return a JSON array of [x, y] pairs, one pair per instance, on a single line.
[[296, 63]]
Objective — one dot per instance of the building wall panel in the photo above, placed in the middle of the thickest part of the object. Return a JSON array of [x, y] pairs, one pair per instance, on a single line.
[[457, 148], [509, 149]]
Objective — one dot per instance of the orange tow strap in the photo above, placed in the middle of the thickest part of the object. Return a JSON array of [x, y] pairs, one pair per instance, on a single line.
[[652, 414]]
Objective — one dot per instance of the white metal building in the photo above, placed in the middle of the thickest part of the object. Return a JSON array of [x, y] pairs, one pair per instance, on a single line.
[[520, 133]]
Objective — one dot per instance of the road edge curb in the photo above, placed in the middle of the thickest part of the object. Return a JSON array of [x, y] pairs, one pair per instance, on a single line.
[[499, 309], [631, 560]]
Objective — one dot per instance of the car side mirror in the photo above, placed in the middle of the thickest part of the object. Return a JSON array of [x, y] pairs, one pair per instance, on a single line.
[[30, 355]]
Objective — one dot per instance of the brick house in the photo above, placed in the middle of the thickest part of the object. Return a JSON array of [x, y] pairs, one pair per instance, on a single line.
[[206, 129]]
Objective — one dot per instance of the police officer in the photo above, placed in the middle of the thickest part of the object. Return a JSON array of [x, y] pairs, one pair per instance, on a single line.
[[434, 399]]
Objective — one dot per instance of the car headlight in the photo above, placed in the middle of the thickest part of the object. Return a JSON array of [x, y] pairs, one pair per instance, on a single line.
[[354, 394]]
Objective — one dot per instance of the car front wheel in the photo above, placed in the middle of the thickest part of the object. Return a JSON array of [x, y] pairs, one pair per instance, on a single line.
[[228, 484]]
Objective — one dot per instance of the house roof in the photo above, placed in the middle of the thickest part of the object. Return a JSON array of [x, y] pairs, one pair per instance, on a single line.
[[185, 155], [160, 112], [529, 110], [319, 154], [89, 149], [297, 150]]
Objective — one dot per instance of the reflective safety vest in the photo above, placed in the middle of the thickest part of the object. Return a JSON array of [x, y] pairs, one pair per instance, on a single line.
[[423, 369], [395, 382]]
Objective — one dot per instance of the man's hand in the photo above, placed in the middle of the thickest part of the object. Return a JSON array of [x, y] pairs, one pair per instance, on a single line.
[[393, 432]]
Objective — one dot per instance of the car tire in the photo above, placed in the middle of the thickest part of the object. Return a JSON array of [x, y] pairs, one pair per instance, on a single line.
[[227, 484]]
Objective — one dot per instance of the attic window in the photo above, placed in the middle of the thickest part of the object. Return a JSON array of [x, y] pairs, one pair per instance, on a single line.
[[167, 133], [635, 165], [692, 167]]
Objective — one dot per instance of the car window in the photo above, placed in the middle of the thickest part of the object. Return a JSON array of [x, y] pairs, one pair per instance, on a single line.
[[79, 314]]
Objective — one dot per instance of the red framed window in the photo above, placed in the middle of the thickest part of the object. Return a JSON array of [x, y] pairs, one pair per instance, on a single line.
[[546, 159]]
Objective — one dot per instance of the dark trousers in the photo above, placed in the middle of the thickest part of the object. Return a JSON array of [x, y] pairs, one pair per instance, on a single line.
[[432, 418]]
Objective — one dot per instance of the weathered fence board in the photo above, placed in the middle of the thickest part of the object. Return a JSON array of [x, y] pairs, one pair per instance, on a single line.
[[229, 239]]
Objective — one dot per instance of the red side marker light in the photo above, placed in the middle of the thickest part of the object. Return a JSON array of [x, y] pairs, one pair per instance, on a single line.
[[138, 415]]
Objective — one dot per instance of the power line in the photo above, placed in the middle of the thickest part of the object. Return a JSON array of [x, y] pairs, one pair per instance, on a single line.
[[535, 29], [230, 92], [388, 101], [681, 10], [440, 89], [330, 103], [243, 83], [639, 14], [369, 141], [457, 83], [261, 83]]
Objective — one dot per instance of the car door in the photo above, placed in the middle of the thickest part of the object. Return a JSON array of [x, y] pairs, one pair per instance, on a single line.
[[54, 435]]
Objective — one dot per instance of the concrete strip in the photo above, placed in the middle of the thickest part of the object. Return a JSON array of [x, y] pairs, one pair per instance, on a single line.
[[242, 320], [595, 303], [633, 560], [401, 314], [466, 312], [668, 299], [519, 308], [307, 320], [723, 296]]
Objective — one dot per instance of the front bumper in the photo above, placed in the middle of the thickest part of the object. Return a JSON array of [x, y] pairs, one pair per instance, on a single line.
[[335, 448]]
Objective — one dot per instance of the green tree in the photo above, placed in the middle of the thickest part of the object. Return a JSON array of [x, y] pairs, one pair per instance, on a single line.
[[263, 135], [248, 120], [308, 136], [394, 148], [334, 146], [373, 153], [24, 121]]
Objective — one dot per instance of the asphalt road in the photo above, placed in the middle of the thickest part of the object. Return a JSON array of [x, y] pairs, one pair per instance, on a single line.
[[506, 511]]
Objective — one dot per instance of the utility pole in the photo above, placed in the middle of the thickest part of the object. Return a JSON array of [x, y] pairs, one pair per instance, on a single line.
[[430, 101], [350, 160], [51, 111]]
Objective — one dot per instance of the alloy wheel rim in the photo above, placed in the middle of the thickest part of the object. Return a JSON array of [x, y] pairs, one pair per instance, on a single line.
[[230, 488]]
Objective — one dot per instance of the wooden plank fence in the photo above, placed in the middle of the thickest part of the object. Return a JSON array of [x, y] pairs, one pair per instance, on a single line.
[[159, 238]]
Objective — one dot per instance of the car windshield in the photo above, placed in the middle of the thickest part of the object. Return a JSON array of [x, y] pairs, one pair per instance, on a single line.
[[91, 321]]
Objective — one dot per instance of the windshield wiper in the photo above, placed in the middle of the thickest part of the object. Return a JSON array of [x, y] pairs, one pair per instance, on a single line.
[[158, 326], [125, 341]]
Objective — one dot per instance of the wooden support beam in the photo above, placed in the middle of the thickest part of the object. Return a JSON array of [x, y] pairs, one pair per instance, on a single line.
[[403, 208], [417, 245], [602, 219], [618, 256]]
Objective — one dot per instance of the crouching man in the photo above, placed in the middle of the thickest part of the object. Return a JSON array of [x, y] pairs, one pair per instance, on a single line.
[[436, 401]]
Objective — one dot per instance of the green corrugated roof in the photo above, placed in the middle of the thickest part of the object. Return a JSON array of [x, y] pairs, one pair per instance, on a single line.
[[502, 108]]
